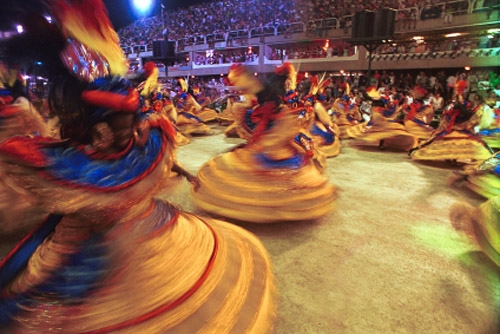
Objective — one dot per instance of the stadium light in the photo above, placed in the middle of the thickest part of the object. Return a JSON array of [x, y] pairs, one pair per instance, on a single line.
[[142, 7]]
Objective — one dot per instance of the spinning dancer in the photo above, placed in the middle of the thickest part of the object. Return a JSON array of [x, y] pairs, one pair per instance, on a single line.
[[481, 224], [418, 115], [455, 139], [482, 178], [187, 105], [18, 116], [273, 177], [323, 131], [491, 105], [386, 125], [318, 132], [112, 258], [155, 100], [347, 116], [187, 122]]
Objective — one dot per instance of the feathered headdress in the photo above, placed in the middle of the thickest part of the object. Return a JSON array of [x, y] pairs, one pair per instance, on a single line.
[[81, 53], [150, 85], [8, 76], [290, 73], [182, 83], [241, 77], [87, 22], [372, 93], [347, 88], [419, 92], [460, 87], [313, 89]]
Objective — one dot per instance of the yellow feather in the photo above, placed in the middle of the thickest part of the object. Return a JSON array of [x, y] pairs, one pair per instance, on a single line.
[[88, 22]]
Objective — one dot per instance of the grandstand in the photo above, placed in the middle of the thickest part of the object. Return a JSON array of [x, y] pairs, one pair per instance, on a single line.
[[433, 35]]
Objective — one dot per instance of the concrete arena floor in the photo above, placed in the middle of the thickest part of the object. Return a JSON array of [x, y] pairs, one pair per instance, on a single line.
[[386, 261]]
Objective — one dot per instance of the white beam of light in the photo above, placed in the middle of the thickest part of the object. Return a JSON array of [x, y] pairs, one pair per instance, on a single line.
[[142, 7]]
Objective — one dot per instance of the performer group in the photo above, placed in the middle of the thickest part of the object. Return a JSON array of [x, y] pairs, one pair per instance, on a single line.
[[103, 254]]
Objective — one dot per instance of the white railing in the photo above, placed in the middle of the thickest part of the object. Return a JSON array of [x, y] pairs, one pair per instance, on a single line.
[[473, 53]]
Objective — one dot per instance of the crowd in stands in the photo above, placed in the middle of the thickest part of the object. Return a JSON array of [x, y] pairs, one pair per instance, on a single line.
[[439, 84], [216, 18], [309, 51], [247, 55]]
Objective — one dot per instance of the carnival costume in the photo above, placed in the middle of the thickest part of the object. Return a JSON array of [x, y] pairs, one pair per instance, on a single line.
[[323, 131], [155, 101], [482, 178], [347, 116], [490, 131], [110, 257], [481, 224], [418, 115], [273, 178], [317, 129], [455, 139], [233, 114], [386, 123], [187, 107], [17, 117]]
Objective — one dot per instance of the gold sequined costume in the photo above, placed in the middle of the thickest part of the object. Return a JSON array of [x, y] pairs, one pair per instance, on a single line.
[[111, 258]]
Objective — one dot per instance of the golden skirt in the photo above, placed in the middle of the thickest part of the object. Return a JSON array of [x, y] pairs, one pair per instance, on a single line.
[[167, 272], [207, 114], [420, 131], [352, 131], [394, 131], [481, 224], [453, 146], [190, 126], [236, 186]]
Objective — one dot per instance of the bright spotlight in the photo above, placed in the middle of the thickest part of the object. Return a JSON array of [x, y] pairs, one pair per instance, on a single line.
[[142, 7]]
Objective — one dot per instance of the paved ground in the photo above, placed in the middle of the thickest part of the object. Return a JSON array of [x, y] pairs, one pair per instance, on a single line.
[[386, 261]]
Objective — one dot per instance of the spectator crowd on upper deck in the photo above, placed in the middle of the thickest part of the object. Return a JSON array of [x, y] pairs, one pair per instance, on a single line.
[[219, 18]]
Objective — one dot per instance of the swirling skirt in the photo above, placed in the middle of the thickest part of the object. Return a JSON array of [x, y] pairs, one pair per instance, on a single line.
[[168, 272], [237, 186], [481, 224], [453, 146], [207, 114], [394, 132], [188, 126]]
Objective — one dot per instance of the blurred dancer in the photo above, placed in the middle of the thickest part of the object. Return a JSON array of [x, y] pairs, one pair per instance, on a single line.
[[323, 131], [155, 100], [481, 224], [347, 116], [386, 125], [482, 178], [18, 116], [418, 115], [187, 105], [272, 178], [111, 257], [456, 139]]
